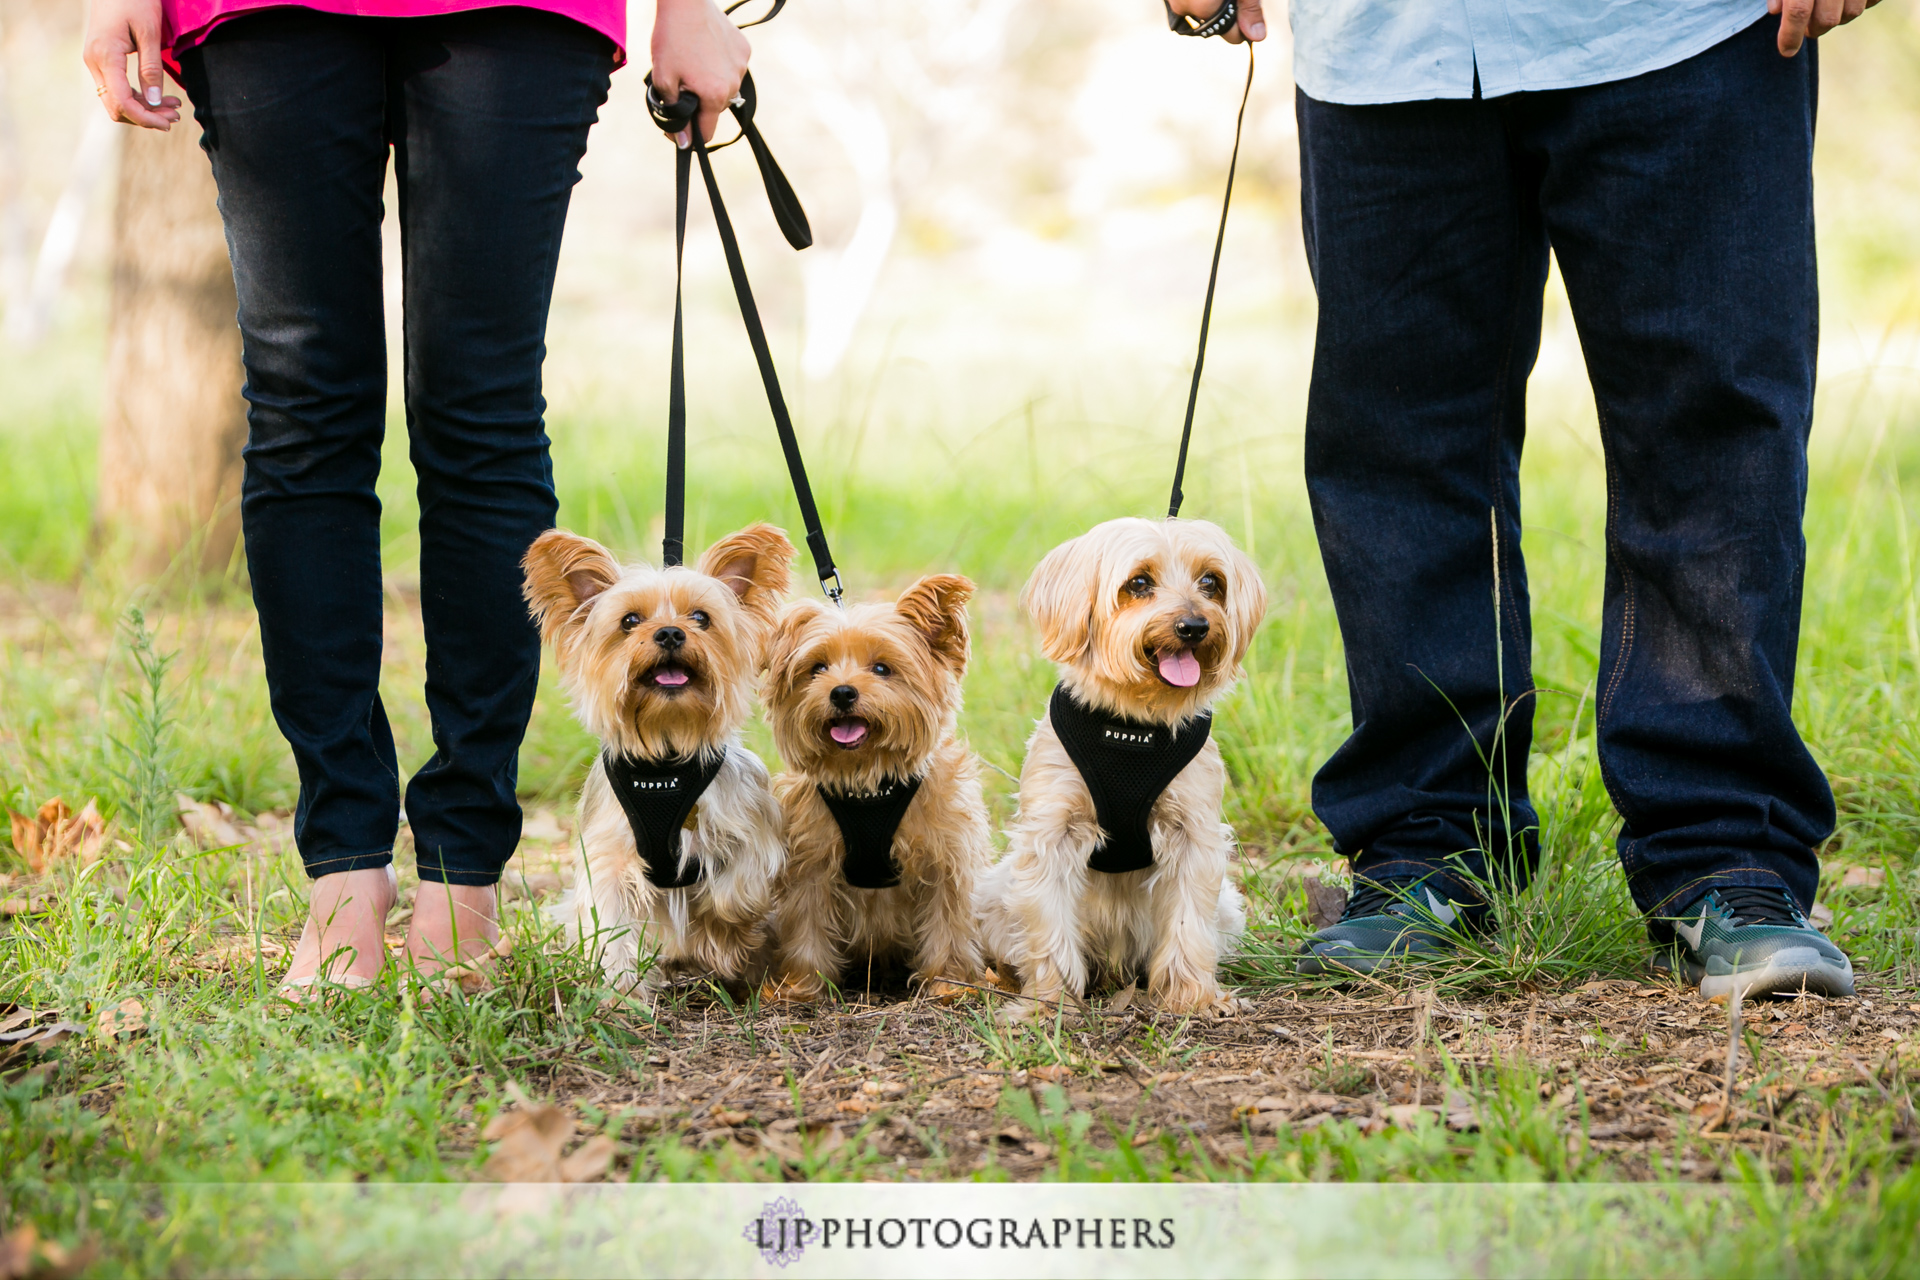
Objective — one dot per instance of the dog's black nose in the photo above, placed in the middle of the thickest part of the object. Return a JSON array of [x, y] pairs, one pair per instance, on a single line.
[[1191, 629], [844, 697], [670, 638]]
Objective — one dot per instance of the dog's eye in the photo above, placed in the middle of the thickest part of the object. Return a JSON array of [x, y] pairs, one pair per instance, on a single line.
[[882, 669], [819, 668], [1210, 585], [700, 619], [631, 621], [1140, 585]]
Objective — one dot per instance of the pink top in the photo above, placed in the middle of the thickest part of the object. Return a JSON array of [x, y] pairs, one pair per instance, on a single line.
[[185, 23]]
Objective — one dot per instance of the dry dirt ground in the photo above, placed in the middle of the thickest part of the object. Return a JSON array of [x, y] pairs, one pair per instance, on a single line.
[[923, 1083]]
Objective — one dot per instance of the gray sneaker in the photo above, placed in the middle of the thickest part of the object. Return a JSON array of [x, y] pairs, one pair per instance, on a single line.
[[1756, 939], [1389, 922]]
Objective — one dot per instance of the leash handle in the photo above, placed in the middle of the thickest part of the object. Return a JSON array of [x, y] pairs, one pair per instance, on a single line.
[[1178, 23], [672, 117], [1213, 273]]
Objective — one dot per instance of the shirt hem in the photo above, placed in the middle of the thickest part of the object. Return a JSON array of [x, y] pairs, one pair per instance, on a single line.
[[1307, 79]]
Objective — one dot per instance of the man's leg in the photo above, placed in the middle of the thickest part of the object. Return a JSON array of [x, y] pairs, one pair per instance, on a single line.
[[491, 110], [1680, 205], [1429, 258]]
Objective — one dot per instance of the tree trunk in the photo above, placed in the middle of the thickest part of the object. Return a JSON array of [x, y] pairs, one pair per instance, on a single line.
[[173, 420]]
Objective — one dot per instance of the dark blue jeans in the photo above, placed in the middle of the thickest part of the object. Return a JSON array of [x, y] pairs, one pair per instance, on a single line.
[[1679, 205], [487, 116]]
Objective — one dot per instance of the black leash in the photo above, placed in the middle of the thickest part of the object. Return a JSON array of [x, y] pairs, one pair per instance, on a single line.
[[672, 117], [1219, 22]]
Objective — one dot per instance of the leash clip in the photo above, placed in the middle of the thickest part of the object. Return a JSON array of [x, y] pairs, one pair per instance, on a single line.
[[835, 591], [1221, 22]]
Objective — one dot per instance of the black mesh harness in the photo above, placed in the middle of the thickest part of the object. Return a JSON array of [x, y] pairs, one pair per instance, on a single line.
[[1126, 764], [867, 825], [657, 797]]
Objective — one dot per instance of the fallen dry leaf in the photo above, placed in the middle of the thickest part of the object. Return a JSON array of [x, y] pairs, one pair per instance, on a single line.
[[854, 1106], [732, 1119], [128, 1018], [25, 1256], [57, 832], [239, 952], [1052, 1073], [38, 1038], [1325, 902], [1123, 998], [1864, 878], [528, 1142], [1821, 917], [20, 905], [17, 1017], [212, 826]]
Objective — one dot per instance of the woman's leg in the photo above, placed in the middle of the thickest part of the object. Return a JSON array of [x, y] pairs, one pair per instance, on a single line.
[[292, 103], [489, 116]]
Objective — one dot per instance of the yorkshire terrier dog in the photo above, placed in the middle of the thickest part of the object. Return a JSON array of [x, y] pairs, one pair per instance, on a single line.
[[886, 827], [1118, 861], [680, 837]]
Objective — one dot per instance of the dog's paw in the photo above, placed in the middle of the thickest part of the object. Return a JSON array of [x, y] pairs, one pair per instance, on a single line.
[[1201, 1000], [1019, 1013], [949, 992], [1003, 979], [790, 990]]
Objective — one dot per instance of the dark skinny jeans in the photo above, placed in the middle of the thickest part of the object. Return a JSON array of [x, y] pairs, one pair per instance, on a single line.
[[487, 114]]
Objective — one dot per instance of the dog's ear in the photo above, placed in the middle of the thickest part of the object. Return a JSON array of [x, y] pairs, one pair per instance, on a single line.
[[936, 606], [789, 633], [563, 572], [1246, 600], [757, 563], [1060, 597]]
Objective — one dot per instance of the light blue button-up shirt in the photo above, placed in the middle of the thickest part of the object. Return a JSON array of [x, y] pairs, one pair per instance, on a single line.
[[1358, 51]]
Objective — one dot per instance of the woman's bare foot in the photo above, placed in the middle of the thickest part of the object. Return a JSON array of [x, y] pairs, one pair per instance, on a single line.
[[452, 924], [345, 937]]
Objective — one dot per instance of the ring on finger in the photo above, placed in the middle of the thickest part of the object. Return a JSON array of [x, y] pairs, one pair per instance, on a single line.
[[736, 101]]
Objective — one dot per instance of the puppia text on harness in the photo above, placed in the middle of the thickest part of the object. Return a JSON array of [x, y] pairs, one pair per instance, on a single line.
[[658, 797], [1126, 764], [867, 826]]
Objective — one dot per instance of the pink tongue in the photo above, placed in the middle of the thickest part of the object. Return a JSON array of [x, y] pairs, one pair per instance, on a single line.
[[672, 677], [1181, 668], [849, 733]]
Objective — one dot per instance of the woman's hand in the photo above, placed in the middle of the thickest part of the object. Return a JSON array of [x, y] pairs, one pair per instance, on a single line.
[[695, 46], [116, 28]]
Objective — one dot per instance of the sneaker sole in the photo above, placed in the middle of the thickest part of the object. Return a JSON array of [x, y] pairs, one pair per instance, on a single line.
[[1786, 972]]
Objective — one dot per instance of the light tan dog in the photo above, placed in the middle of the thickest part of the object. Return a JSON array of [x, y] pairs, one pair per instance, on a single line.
[[1149, 621], [887, 831], [660, 665]]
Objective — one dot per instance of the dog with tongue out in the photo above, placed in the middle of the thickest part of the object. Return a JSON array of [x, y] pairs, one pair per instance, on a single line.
[[680, 838], [887, 829], [1117, 865]]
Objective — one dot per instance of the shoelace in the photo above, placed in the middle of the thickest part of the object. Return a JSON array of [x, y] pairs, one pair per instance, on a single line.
[[1752, 904]]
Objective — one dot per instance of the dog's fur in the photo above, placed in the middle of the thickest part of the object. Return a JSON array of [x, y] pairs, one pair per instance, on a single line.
[[586, 605], [906, 660], [1043, 913]]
